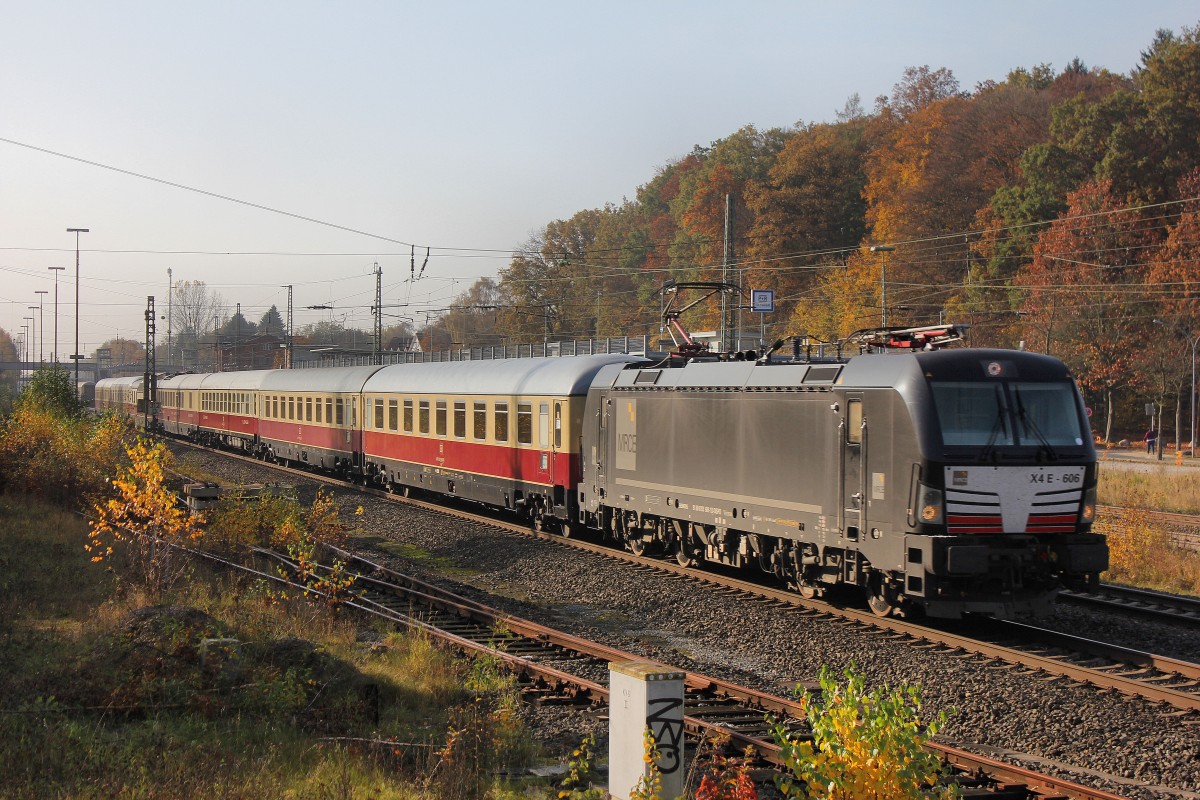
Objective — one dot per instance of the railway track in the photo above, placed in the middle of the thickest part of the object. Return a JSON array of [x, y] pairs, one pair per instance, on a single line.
[[1170, 683], [1145, 602], [1184, 529], [557, 667]]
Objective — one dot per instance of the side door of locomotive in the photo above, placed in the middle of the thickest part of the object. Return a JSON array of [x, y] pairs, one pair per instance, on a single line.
[[852, 434]]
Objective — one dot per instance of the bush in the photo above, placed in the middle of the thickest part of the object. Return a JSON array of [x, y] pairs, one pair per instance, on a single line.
[[865, 744]]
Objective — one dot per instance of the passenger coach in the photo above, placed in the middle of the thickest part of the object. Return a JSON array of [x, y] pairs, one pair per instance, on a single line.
[[311, 416], [505, 432]]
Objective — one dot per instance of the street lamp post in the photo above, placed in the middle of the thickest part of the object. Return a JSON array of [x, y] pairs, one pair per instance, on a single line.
[[56, 271], [1192, 443], [33, 345], [885, 249], [25, 343], [41, 293], [76, 355]]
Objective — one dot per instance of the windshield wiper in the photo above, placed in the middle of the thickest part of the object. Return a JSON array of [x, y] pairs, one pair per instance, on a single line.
[[1031, 426], [989, 449]]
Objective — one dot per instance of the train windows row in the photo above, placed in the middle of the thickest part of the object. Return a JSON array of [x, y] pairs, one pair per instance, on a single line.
[[300, 408], [245, 403], [455, 418]]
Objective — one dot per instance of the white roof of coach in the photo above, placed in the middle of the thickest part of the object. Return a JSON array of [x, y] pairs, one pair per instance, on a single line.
[[191, 380], [320, 379], [249, 380], [112, 383], [569, 375]]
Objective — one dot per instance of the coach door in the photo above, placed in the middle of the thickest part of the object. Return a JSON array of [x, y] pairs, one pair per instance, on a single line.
[[557, 476], [853, 443]]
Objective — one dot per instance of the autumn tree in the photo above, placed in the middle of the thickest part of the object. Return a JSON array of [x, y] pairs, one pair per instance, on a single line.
[[124, 351], [196, 310], [472, 320], [8, 378], [1085, 294], [809, 210], [1175, 267], [142, 515], [544, 278]]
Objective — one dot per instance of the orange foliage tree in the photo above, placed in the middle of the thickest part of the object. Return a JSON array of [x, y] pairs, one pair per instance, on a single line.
[[1085, 292], [143, 516]]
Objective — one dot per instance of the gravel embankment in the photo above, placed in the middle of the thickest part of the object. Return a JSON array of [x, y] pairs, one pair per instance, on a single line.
[[1124, 746]]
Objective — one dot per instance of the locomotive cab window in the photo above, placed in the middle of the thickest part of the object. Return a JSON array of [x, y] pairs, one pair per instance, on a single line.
[[1004, 414]]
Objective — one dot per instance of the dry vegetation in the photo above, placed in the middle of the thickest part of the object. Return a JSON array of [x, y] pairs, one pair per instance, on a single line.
[[1142, 550], [107, 696]]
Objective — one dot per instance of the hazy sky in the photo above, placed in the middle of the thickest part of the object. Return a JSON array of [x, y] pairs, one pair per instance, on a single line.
[[462, 126]]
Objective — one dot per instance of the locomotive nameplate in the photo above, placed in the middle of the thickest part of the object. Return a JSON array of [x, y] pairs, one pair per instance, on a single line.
[[626, 415]]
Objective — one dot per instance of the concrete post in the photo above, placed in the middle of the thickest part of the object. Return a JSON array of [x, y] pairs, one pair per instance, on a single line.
[[644, 695]]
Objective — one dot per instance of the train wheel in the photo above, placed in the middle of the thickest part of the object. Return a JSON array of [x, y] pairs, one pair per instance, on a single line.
[[808, 591], [637, 545], [881, 599], [684, 557]]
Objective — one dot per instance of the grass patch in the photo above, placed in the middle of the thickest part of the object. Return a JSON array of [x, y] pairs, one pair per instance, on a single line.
[[223, 689], [1157, 488]]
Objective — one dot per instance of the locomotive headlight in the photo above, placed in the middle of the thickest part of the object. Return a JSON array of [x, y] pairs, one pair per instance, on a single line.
[[931, 505], [1087, 514]]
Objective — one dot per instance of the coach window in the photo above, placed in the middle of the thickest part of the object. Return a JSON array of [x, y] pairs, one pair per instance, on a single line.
[[378, 413], [544, 425], [308, 409], [460, 419], [340, 412], [328, 410], [441, 417], [393, 415], [524, 423], [854, 418], [408, 415], [291, 408], [501, 423], [423, 416], [480, 420]]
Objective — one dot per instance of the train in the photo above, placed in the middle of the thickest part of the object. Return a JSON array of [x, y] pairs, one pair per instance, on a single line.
[[946, 481]]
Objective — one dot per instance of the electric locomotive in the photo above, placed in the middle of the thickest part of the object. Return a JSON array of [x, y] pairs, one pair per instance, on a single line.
[[954, 481]]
